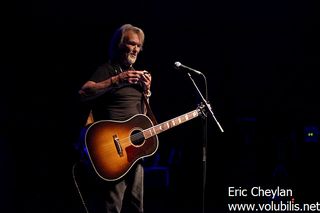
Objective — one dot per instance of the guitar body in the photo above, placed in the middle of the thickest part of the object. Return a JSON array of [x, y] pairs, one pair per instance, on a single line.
[[115, 146]]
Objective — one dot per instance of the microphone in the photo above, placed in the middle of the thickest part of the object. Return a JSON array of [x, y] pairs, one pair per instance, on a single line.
[[178, 65]]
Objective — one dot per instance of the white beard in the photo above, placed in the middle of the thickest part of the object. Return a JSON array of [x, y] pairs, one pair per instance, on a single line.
[[131, 59]]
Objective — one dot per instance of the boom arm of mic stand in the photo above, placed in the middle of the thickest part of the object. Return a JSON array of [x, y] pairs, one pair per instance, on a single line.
[[205, 101]]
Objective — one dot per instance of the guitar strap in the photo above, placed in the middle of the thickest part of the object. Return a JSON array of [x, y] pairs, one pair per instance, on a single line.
[[149, 112]]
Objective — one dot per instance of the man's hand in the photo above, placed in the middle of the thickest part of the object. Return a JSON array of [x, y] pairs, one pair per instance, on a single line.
[[134, 77], [130, 77], [146, 80]]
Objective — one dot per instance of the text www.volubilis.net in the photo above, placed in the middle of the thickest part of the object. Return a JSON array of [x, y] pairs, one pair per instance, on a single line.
[[288, 206]]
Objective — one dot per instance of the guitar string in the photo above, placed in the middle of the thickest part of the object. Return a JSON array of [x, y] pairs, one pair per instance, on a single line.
[[128, 139], [159, 125], [137, 135], [133, 137]]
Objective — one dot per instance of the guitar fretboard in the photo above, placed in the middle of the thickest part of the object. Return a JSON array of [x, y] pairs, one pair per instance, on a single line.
[[147, 133]]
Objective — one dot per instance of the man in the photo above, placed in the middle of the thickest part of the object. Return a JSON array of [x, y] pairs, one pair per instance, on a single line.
[[116, 91]]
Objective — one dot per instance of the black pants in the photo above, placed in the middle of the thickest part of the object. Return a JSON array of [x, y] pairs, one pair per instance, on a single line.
[[101, 196]]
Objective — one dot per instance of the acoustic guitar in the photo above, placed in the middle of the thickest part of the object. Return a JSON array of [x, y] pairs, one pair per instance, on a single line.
[[115, 146]]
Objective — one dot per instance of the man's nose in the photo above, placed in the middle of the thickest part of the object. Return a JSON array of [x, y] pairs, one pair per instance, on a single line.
[[136, 47]]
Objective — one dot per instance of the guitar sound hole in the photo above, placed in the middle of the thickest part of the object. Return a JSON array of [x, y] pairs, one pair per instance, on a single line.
[[137, 137]]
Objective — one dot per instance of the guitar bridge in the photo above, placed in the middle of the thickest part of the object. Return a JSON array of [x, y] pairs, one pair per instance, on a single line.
[[117, 145]]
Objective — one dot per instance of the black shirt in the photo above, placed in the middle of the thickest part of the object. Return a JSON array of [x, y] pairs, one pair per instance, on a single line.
[[117, 103]]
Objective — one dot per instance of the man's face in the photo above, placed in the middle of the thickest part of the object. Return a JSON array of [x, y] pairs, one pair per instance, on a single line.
[[132, 47]]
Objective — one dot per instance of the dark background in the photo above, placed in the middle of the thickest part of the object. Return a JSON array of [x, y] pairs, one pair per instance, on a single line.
[[260, 59]]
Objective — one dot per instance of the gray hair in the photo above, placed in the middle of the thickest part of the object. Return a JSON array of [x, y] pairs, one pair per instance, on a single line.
[[117, 40]]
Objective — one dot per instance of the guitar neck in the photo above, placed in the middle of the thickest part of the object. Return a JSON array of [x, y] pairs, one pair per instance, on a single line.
[[154, 130]]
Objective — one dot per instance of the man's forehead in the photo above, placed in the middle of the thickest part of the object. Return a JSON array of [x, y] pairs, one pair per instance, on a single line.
[[132, 36]]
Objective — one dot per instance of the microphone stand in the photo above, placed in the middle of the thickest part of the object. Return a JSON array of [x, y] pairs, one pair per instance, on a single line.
[[205, 138]]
